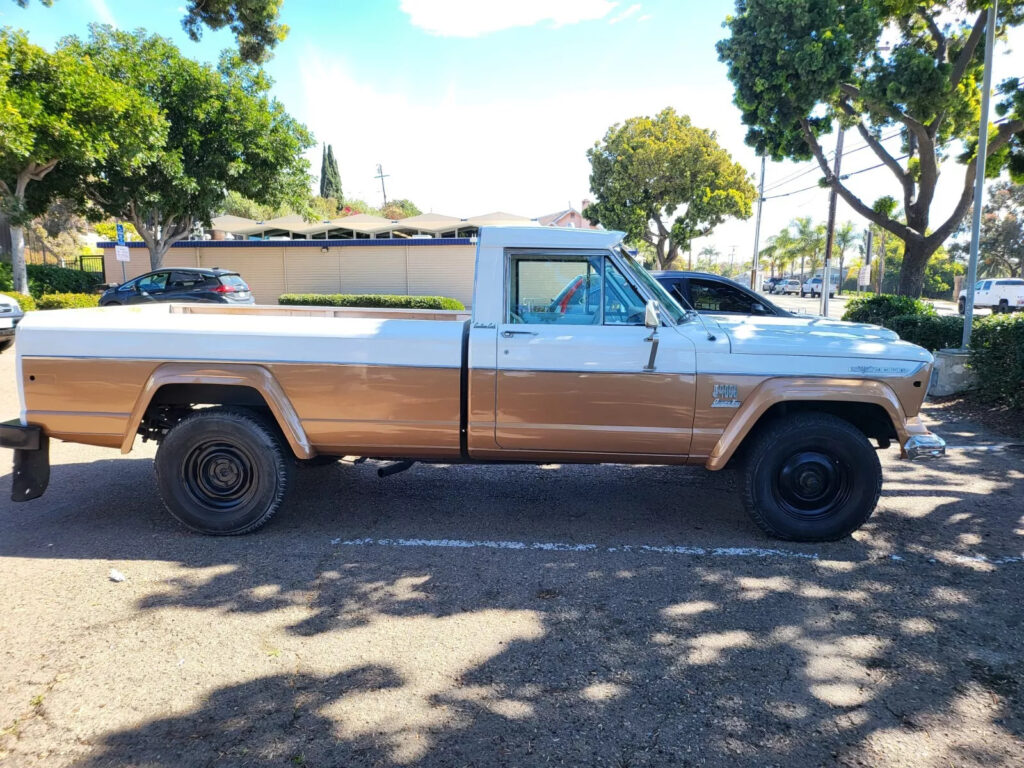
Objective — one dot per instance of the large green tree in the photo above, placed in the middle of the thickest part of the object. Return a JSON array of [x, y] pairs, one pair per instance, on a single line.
[[225, 135], [253, 23], [1001, 242], [330, 177], [800, 65], [58, 114], [665, 182]]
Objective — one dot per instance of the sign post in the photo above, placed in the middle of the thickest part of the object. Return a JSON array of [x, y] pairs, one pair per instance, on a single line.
[[121, 252]]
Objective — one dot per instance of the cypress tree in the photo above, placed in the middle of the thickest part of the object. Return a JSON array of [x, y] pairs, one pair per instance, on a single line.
[[330, 178]]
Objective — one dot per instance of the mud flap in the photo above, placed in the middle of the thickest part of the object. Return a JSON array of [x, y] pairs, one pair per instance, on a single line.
[[31, 471]]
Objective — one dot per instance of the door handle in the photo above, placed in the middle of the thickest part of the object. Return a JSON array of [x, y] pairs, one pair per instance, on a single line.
[[510, 334]]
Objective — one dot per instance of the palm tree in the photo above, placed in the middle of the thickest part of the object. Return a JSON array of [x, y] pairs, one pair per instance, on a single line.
[[845, 236], [810, 240], [780, 250]]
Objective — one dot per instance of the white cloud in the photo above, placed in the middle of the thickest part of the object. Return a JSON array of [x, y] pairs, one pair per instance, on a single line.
[[103, 12], [645, 17], [472, 18], [625, 14]]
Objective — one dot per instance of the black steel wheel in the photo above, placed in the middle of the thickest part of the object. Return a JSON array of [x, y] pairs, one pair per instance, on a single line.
[[223, 471], [810, 477]]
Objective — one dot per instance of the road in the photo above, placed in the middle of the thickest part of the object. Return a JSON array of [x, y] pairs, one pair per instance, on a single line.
[[512, 616], [837, 305]]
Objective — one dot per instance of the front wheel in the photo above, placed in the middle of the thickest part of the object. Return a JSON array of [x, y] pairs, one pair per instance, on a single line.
[[6, 344], [223, 471], [811, 477]]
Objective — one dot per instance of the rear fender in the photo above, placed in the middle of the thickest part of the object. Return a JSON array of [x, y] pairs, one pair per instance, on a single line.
[[255, 376]]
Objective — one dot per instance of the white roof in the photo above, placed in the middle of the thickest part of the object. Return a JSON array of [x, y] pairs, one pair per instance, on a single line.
[[368, 224], [555, 237]]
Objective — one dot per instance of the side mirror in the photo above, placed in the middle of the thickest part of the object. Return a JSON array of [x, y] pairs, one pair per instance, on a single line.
[[651, 317]]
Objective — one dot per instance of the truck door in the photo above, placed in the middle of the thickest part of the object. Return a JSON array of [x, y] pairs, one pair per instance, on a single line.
[[571, 360]]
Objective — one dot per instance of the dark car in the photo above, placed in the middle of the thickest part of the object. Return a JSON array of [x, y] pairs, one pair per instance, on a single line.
[[186, 284], [714, 295]]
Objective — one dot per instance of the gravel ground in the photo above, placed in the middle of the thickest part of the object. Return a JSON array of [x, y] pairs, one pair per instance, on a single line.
[[520, 616]]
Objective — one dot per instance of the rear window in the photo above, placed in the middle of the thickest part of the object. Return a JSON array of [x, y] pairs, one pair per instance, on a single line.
[[1010, 282], [234, 280]]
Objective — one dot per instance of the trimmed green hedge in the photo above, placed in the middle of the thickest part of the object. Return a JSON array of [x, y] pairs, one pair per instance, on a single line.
[[43, 278], [880, 309], [997, 355], [27, 303], [929, 331], [68, 300], [372, 300]]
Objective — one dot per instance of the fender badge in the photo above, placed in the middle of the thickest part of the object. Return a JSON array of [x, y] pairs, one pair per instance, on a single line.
[[725, 396]]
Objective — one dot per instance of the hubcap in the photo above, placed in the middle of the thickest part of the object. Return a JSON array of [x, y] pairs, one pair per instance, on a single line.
[[219, 475], [810, 484]]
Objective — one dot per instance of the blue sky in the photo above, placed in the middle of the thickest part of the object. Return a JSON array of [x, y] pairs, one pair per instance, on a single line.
[[478, 106]]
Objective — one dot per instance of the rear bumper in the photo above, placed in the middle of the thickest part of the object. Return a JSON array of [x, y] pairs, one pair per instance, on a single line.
[[927, 446], [31, 447]]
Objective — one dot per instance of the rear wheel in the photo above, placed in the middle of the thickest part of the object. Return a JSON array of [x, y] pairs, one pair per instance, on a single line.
[[5, 344], [961, 306], [1004, 307], [223, 471], [811, 477]]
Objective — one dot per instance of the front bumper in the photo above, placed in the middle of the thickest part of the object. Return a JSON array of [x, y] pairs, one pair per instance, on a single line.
[[927, 446], [31, 459]]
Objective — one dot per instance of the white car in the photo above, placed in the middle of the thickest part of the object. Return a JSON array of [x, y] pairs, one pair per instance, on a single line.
[[813, 288], [10, 315], [998, 294], [787, 286]]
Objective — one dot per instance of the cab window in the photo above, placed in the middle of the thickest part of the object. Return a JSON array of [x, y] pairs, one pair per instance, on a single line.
[[712, 296], [555, 290], [622, 304], [154, 282], [184, 281]]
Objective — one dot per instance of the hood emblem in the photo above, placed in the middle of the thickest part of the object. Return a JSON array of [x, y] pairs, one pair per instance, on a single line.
[[725, 396]]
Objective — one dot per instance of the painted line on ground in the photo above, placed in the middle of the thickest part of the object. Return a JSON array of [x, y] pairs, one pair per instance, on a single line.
[[746, 552], [993, 448]]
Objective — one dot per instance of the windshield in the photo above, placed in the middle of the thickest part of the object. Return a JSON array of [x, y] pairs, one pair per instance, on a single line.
[[642, 276]]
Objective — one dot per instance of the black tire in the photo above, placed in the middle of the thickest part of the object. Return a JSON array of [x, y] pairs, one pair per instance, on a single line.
[[810, 477], [223, 471], [1004, 307], [961, 306], [111, 304], [6, 344]]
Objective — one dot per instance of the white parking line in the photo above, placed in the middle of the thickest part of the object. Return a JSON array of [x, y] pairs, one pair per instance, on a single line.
[[746, 552]]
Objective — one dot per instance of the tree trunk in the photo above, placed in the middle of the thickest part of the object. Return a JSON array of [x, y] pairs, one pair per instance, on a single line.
[[915, 260], [5, 237], [18, 270], [157, 251]]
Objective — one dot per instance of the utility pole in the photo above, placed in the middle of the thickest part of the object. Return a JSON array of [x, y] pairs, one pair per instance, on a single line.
[[979, 179], [732, 260], [757, 230], [381, 175], [830, 233], [867, 258]]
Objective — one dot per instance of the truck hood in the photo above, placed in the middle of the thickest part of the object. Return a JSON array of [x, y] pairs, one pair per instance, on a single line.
[[816, 336]]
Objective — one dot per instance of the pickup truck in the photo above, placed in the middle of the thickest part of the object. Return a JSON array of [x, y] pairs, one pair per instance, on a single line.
[[572, 353]]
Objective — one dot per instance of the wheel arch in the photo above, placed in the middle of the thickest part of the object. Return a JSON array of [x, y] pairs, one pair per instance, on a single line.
[[245, 385], [871, 406]]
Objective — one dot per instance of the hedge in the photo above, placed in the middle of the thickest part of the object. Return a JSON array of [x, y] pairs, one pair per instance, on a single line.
[[997, 355], [27, 303], [372, 300], [880, 309], [929, 331], [43, 278], [68, 300]]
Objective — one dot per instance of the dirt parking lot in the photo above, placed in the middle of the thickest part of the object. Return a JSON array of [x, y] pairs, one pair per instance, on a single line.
[[519, 616]]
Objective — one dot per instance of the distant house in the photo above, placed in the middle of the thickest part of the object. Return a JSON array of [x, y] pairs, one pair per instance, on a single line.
[[570, 217]]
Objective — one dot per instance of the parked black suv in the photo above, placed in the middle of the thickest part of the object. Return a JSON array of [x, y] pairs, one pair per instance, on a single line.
[[187, 284]]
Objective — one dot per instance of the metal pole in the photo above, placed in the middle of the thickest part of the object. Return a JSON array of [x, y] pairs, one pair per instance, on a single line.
[[826, 272], [867, 259], [979, 175], [757, 230]]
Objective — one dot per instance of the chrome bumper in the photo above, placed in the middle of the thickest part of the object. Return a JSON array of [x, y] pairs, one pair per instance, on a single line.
[[924, 447]]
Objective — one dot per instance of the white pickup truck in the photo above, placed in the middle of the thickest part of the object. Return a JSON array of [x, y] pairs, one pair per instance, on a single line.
[[1000, 294], [572, 353]]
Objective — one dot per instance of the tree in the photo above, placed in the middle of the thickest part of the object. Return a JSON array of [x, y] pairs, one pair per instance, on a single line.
[[809, 243], [253, 23], [400, 209], [780, 251], [1001, 241], [225, 135], [798, 65], [845, 236], [665, 182], [330, 178], [60, 115]]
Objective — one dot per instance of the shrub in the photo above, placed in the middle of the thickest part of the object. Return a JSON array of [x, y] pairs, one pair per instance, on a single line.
[[27, 303], [376, 300], [997, 355], [880, 309], [929, 331], [43, 278], [68, 300]]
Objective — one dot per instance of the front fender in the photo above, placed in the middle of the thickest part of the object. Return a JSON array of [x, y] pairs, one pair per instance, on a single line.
[[254, 376], [820, 390]]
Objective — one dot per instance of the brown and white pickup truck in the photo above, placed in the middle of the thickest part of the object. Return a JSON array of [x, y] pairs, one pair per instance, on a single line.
[[572, 353]]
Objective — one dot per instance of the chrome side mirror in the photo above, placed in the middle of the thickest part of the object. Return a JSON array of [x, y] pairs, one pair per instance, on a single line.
[[651, 317]]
